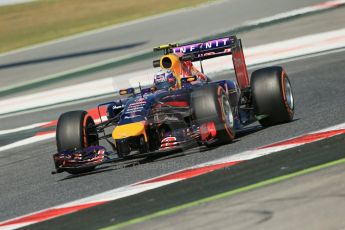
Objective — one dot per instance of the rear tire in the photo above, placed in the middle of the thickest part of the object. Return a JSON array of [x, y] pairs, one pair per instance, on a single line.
[[75, 130], [272, 95], [211, 104]]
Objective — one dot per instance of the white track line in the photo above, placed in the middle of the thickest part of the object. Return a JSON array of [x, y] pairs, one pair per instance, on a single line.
[[19, 129], [27, 141]]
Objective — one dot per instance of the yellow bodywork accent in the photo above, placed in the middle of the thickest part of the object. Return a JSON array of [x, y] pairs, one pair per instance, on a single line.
[[175, 62], [176, 66], [166, 46], [129, 130]]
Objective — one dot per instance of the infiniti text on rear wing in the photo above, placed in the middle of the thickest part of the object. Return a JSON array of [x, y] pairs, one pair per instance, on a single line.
[[206, 50]]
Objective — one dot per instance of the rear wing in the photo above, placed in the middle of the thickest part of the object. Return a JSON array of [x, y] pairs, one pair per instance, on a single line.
[[230, 45], [202, 50]]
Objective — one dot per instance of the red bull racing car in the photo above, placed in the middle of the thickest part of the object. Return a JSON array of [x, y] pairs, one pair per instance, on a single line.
[[195, 111]]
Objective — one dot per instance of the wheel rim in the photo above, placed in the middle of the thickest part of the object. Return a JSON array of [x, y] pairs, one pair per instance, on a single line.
[[288, 93], [229, 118]]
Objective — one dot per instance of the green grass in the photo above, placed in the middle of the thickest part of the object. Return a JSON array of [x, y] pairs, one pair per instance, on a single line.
[[40, 21]]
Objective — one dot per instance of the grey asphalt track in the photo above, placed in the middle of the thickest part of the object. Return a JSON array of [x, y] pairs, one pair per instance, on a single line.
[[218, 17], [27, 186]]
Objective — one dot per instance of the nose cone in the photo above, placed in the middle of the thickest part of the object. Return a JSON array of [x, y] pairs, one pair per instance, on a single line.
[[129, 130]]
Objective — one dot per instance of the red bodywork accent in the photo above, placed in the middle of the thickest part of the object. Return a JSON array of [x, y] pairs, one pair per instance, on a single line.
[[240, 66], [208, 131], [168, 142], [94, 112], [174, 103], [192, 71]]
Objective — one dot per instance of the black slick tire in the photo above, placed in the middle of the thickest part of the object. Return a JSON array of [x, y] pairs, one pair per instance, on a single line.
[[272, 96], [75, 130]]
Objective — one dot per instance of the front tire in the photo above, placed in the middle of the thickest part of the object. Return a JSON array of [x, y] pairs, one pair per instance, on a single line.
[[75, 130], [211, 104], [272, 96]]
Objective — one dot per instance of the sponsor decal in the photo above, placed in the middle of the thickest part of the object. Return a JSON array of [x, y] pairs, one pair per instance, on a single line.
[[118, 106], [209, 45]]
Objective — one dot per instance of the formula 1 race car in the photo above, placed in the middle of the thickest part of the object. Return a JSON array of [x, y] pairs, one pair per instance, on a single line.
[[196, 113]]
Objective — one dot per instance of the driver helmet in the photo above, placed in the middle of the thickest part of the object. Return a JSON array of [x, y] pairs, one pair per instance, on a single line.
[[164, 79]]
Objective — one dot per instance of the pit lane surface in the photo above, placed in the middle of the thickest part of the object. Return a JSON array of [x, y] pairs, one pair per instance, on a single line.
[[88, 49], [27, 186]]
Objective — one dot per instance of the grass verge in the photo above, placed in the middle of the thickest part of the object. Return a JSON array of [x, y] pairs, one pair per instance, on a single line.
[[40, 21]]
